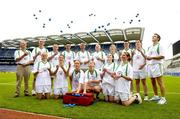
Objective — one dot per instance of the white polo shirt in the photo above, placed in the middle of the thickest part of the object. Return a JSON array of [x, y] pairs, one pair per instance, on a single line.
[[107, 78], [94, 76], [55, 60], [36, 50], [123, 85], [76, 79], [61, 80], [82, 57], [69, 57], [98, 63], [138, 59], [26, 59], [154, 51], [43, 77]]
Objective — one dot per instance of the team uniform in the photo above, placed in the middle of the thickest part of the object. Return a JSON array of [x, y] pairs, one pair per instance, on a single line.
[[43, 79], [108, 81], [98, 63], [155, 67], [77, 77], [36, 50], [60, 82], [116, 57], [21, 70], [94, 76], [55, 60], [137, 61], [83, 56], [69, 57], [122, 86]]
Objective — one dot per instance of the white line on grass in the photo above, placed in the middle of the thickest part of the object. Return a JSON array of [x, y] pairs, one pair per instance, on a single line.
[[30, 113]]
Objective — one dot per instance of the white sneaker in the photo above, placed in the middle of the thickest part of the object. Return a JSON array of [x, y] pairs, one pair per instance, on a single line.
[[162, 101], [146, 98], [33, 92], [138, 98], [155, 98]]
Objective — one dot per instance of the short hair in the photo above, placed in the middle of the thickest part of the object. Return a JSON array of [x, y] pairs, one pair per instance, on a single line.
[[139, 40], [126, 41], [158, 36]]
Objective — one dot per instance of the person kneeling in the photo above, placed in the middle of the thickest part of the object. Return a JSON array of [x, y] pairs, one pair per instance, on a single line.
[[123, 77], [43, 79], [60, 82], [92, 80]]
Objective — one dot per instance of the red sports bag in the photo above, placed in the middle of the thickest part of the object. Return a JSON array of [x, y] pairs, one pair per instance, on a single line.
[[78, 98]]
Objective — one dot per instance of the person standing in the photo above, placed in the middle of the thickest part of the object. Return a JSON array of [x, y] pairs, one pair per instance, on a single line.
[[139, 70], [155, 56], [53, 56], [83, 56], [98, 57], [23, 60]]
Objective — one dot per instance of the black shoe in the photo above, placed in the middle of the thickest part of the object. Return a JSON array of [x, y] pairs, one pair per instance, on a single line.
[[26, 95], [16, 95]]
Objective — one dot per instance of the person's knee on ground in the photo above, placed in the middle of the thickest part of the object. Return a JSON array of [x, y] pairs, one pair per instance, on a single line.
[[111, 98], [47, 95], [39, 96]]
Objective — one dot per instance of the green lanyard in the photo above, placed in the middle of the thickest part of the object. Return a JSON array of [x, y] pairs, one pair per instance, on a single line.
[[93, 73]]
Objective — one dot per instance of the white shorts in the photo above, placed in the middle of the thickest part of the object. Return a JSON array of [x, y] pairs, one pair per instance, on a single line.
[[43, 89], [121, 96], [108, 89], [141, 74], [155, 70], [60, 91]]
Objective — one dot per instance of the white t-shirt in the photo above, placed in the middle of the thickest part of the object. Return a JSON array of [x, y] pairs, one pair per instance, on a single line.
[[154, 51], [94, 76], [43, 77], [76, 79], [36, 50], [55, 60], [107, 78], [26, 59], [61, 79], [69, 57], [98, 63], [116, 58], [123, 85], [138, 59], [82, 57]]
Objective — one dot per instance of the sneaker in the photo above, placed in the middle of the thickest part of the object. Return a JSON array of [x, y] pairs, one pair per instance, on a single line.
[[33, 93], [162, 101], [155, 98], [16, 95], [138, 98], [146, 98]]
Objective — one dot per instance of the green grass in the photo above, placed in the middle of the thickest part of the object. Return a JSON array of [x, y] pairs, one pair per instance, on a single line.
[[99, 110]]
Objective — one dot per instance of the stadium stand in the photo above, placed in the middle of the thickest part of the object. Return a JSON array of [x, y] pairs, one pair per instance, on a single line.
[[105, 38], [173, 65]]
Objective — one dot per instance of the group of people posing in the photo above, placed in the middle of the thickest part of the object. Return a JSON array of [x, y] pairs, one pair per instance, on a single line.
[[82, 72]]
